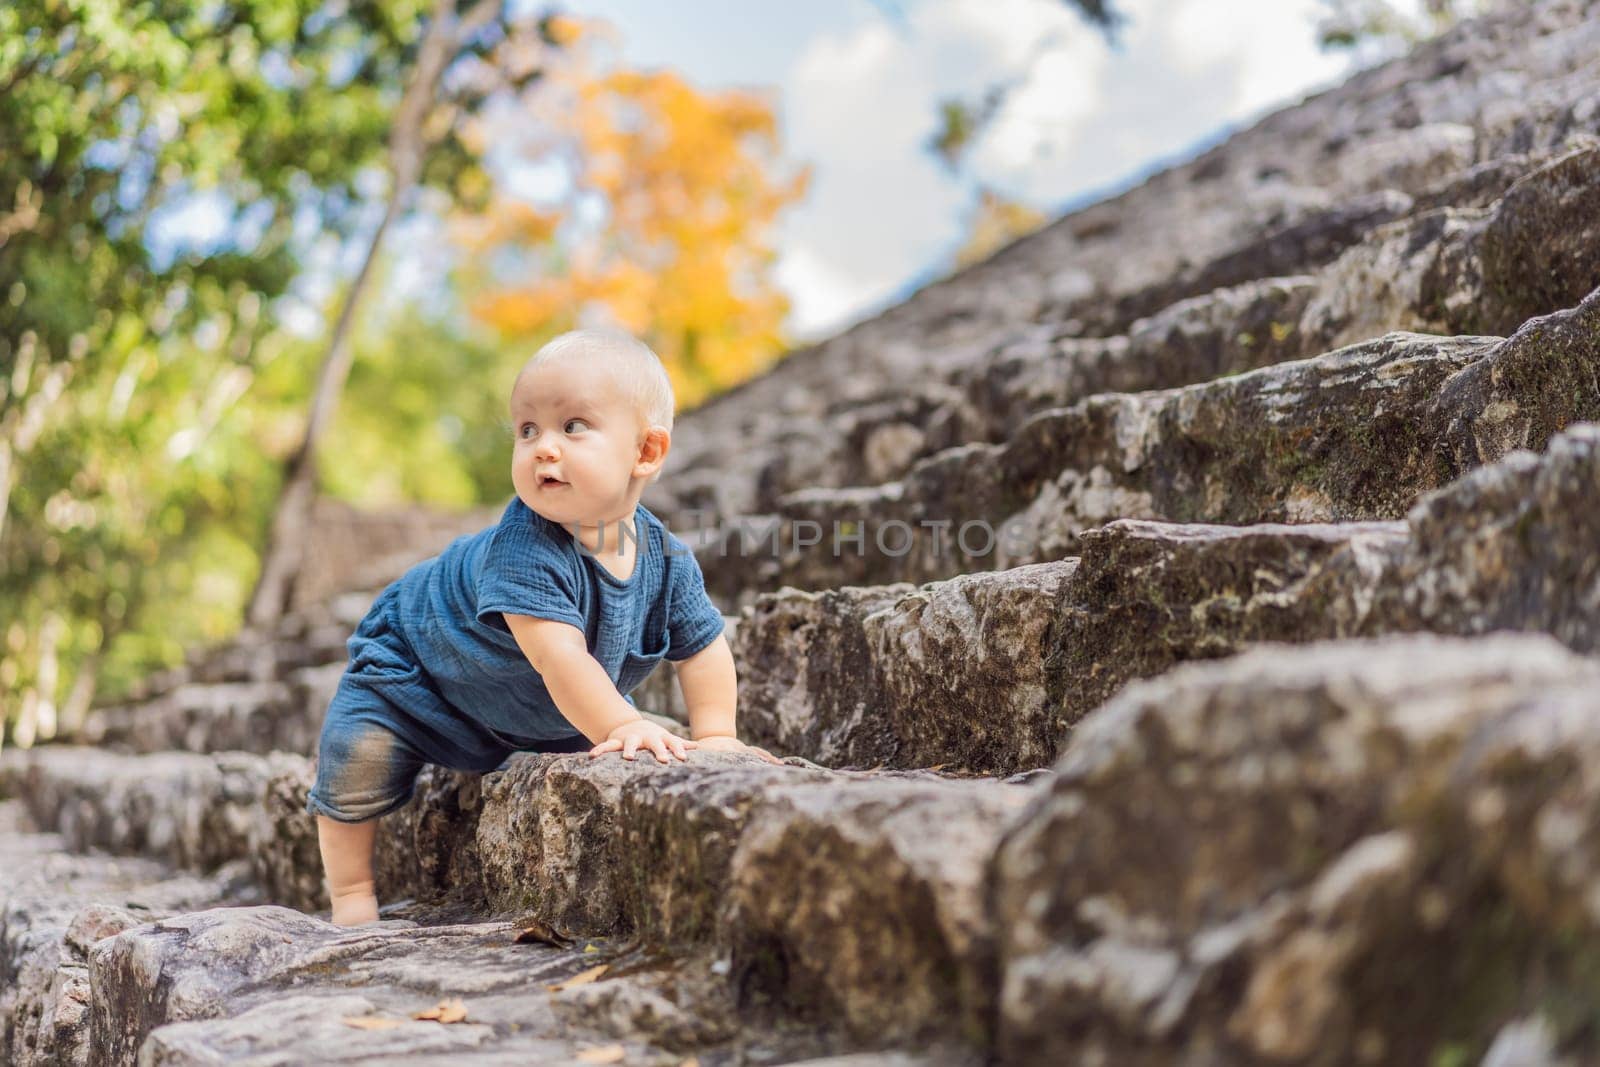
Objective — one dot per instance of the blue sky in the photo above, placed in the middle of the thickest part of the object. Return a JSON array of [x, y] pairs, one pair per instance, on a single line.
[[858, 92], [857, 85]]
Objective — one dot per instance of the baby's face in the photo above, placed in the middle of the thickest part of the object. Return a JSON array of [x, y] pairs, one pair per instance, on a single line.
[[576, 444]]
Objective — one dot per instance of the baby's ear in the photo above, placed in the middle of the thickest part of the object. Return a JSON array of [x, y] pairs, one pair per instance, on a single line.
[[654, 447]]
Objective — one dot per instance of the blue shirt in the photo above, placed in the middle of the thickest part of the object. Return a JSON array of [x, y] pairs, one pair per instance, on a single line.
[[450, 611]]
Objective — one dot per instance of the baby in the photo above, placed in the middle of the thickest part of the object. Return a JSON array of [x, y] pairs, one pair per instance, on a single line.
[[526, 636]]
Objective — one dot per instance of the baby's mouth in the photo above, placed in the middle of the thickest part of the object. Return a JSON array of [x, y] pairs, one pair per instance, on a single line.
[[548, 482]]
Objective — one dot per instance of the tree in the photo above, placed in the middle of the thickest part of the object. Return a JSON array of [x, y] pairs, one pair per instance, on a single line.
[[123, 352], [660, 223], [426, 378], [424, 115]]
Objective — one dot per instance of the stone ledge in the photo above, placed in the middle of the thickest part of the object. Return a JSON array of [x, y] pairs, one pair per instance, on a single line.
[[946, 674], [1353, 435], [1313, 854], [54, 906], [990, 671], [604, 847]]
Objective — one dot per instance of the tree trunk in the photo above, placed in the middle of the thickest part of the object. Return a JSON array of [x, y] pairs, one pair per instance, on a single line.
[[291, 522]]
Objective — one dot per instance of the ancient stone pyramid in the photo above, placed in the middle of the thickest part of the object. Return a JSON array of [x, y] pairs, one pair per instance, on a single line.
[[1271, 736]]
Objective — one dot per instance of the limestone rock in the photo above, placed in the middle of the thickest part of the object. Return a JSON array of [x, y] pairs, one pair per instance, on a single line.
[[269, 985], [552, 843], [1149, 595], [864, 900], [54, 906], [1507, 547], [1315, 854], [948, 673]]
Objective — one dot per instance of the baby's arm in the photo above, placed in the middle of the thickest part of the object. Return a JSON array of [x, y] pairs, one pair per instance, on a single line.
[[585, 694], [710, 687]]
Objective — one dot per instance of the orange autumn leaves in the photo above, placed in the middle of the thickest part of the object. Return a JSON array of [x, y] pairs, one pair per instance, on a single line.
[[663, 200]]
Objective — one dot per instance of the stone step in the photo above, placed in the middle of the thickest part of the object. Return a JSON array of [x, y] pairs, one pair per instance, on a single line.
[[54, 906], [224, 811], [849, 896], [946, 674], [1357, 434], [1509, 546], [211, 716], [1447, 263], [190, 810], [268, 985], [1150, 595], [725, 852], [988, 672], [1315, 854], [1449, 270]]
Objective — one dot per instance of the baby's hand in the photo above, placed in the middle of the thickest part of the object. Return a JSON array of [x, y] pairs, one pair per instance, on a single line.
[[642, 733], [724, 743]]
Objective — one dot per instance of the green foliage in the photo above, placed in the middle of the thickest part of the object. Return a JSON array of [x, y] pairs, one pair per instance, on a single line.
[[1382, 25], [145, 397], [424, 417], [960, 123]]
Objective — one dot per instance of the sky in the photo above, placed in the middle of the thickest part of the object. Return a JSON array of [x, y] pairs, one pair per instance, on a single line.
[[859, 81], [857, 85]]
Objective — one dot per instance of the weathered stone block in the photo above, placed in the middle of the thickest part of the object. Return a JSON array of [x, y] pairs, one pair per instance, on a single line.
[[863, 900], [1319, 854]]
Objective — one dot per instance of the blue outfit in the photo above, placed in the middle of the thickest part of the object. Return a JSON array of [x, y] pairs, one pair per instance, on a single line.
[[435, 675]]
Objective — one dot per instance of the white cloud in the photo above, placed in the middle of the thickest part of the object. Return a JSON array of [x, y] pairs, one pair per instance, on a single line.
[[861, 103], [1265, 49]]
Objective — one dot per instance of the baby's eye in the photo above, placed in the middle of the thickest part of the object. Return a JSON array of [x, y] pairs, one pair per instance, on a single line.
[[522, 431], [580, 422]]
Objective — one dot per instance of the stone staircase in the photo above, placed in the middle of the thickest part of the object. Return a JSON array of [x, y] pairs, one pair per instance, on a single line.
[[1272, 739]]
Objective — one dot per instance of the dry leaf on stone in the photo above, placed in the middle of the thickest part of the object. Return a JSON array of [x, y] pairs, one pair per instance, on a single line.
[[602, 1054], [581, 978], [370, 1022], [446, 1011], [536, 930]]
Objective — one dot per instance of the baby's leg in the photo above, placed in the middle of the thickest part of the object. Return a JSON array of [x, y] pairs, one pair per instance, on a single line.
[[364, 770], [347, 861]]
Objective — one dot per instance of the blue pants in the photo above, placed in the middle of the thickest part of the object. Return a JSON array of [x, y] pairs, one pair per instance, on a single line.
[[386, 720]]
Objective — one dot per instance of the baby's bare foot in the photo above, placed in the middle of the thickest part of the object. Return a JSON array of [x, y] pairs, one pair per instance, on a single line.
[[355, 907], [355, 912]]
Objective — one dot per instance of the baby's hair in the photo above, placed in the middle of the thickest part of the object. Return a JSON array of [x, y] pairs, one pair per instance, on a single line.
[[635, 368]]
